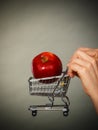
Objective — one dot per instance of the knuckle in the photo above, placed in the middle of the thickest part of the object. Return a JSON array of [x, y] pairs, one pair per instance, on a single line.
[[89, 65], [84, 70], [78, 51], [80, 48], [93, 61], [96, 55]]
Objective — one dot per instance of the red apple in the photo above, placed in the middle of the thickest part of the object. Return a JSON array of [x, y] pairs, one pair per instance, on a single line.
[[46, 64]]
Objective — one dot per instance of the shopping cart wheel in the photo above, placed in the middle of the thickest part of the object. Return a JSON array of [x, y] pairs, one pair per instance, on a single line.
[[65, 113], [34, 112]]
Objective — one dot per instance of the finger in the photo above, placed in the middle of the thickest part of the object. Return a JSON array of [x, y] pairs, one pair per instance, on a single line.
[[90, 61], [86, 54], [88, 78], [76, 68], [83, 71], [81, 62], [93, 53], [84, 49], [76, 54], [70, 72], [82, 55], [84, 59], [90, 51]]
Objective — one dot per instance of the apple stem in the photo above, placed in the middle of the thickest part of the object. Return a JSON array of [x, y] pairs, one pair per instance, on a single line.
[[44, 59]]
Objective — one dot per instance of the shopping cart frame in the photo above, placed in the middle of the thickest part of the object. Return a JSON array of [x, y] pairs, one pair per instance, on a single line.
[[51, 87]]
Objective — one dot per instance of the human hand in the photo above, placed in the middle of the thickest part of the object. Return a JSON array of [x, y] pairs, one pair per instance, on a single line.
[[84, 64]]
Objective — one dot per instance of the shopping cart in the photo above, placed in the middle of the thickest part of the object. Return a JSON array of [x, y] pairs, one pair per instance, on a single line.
[[50, 87]]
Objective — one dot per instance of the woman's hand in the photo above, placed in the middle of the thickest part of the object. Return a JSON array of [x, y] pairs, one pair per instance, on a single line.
[[84, 64]]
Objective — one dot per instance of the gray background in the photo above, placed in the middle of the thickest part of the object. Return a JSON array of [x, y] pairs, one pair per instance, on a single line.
[[28, 28]]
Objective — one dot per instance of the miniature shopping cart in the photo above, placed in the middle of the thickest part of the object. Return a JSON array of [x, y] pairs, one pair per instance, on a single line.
[[51, 87]]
